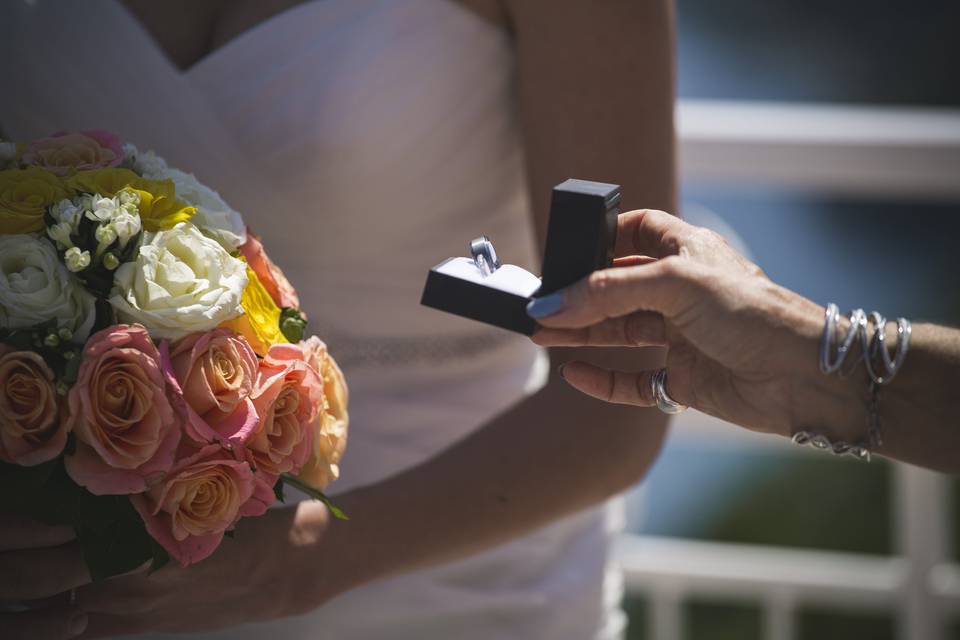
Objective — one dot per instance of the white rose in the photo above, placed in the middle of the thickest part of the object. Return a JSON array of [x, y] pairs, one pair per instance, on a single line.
[[180, 282], [36, 287], [146, 163], [214, 216]]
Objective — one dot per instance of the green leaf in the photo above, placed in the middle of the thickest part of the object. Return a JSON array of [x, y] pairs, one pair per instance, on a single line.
[[105, 316], [19, 339], [296, 483], [278, 490], [70, 370], [43, 492]]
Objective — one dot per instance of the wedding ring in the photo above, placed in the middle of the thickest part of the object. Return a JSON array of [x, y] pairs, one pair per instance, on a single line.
[[664, 402], [484, 255]]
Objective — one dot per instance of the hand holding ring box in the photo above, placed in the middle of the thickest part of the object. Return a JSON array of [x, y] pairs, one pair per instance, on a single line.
[[581, 235]]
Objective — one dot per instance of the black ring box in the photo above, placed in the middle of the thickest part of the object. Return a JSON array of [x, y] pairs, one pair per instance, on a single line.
[[581, 235]]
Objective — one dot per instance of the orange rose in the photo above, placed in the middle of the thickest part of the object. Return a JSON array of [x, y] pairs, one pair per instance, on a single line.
[[64, 153], [270, 275], [127, 430], [31, 430], [288, 396], [201, 497], [216, 371]]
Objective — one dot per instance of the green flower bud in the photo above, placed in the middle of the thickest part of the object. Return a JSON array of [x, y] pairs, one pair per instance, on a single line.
[[63, 388], [52, 340], [293, 328], [65, 334], [110, 261]]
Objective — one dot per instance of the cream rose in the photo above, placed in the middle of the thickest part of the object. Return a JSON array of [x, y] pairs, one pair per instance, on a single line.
[[330, 426], [181, 282], [214, 216], [36, 287]]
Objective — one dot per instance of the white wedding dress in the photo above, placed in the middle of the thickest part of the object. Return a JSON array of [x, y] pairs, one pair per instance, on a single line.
[[365, 141]]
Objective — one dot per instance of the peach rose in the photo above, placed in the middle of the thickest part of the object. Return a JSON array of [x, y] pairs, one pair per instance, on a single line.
[[64, 153], [126, 428], [202, 496], [330, 426], [269, 274], [216, 371], [31, 429], [288, 396]]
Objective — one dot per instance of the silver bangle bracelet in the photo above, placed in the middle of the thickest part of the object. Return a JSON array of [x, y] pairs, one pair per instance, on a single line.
[[875, 356]]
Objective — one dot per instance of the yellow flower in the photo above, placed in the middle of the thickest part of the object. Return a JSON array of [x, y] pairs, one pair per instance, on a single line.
[[24, 197], [159, 208], [260, 322]]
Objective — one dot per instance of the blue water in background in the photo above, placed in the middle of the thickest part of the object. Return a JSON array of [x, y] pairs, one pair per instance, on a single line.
[[899, 258]]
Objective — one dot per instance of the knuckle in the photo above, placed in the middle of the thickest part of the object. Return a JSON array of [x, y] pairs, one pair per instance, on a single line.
[[599, 285], [674, 267]]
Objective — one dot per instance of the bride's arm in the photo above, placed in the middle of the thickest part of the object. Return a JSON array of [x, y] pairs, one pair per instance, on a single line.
[[596, 91]]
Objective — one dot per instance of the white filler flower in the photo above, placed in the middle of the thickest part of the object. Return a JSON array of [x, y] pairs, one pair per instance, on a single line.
[[180, 282], [36, 287]]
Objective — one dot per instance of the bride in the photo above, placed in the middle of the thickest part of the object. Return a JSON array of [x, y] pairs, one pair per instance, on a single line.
[[366, 140]]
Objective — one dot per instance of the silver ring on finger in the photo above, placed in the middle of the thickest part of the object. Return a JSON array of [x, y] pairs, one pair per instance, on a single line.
[[658, 383]]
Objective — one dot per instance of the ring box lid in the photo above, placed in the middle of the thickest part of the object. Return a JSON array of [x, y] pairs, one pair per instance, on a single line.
[[581, 235]]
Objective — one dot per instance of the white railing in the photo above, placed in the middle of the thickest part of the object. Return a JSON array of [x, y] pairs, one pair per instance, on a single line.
[[884, 152], [870, 152]]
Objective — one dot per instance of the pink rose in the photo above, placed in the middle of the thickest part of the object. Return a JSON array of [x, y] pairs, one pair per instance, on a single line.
[[64, 153], [217, 372], [269, 274], [31, 429], [288, 397], [127, 431], [202, 496], [330, 425]]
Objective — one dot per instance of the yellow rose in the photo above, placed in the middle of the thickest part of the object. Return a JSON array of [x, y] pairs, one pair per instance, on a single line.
[[260, 322], [159, 208], [24, 197], [331, 424]]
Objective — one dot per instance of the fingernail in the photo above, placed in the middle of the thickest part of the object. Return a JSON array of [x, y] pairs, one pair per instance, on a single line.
[[545, 306], [78, 624]]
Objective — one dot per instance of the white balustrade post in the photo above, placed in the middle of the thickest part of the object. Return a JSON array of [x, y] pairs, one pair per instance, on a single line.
[[920, 514]]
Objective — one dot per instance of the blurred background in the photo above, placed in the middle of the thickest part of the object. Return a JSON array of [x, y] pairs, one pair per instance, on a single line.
[[824, 136]]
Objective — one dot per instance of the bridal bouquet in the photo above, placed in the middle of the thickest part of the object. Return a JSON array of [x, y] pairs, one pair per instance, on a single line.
[[156, 385]]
